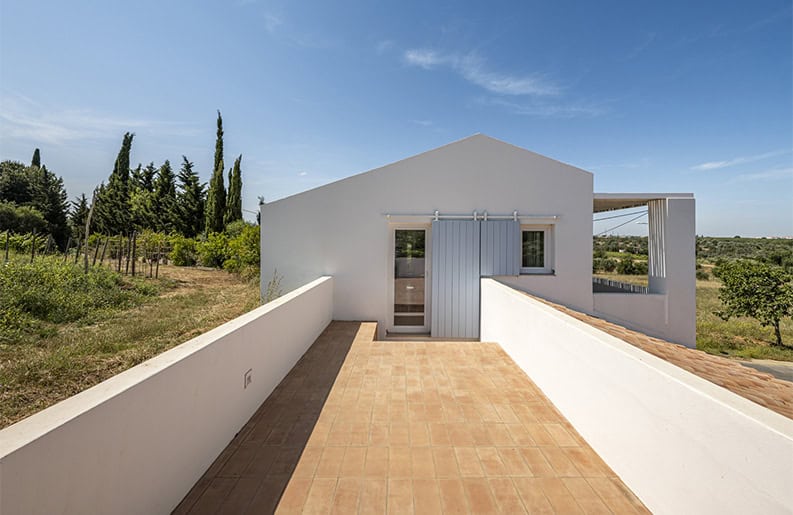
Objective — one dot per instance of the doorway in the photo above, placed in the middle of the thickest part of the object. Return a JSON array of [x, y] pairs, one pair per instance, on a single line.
[[409, 314]]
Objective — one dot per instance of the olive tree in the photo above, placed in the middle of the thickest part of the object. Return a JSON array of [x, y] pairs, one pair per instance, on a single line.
[[757, 290]]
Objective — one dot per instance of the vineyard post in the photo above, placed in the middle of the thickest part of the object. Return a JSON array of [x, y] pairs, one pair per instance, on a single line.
[[134, 246], [118, 252], [104, 248], [96, 252], [33, 245], [8, 235], [66, 252], [88, 228]]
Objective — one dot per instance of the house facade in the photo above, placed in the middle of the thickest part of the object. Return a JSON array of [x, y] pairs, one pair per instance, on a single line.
[[408, 243]]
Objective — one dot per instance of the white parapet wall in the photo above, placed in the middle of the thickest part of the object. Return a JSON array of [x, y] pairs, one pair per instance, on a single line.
[[139, 441], [681, 443]]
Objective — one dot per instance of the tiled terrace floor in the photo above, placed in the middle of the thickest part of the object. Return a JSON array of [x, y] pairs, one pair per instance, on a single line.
[[407, 427]]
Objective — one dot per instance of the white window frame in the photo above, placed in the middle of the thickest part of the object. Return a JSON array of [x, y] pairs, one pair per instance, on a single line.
[[548, 254]]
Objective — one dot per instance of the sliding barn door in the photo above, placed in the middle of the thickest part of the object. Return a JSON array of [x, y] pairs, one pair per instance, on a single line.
[[455, 279], [500, 248]]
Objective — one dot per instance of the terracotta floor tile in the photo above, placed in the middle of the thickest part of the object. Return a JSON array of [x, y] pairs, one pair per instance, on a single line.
[[479, 496], [536, 461], [558, 495], [376, 426], [376, 462], [531, 494], [422, 464], [426, 496], [506, 496], [354, 462], [445, 462], [491, 461], [585, 496], [399, 464], [561, 464], [400, 496], [452, 496], [468, 462], [346, 498], [294, 496], [373, 497]]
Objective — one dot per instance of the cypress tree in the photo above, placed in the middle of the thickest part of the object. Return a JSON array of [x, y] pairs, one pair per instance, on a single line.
[[36, 161], [234, 202], [216, 196], [190, 200], [113, 203], [164, 201]]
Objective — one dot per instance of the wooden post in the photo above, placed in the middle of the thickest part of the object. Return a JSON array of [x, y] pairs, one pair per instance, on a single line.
[[157, 272], [134, 245], [33, 246], [88, 228], [49, 244], [66, 252], [8, 235], [96, 252], [118, 251], [77, 250], [129, 248], [104, 248]]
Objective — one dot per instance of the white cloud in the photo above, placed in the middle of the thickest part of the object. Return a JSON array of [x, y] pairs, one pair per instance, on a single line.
[[473, 68], [302, 174], [544, 109], [423, 123], [766, 175], [716, 165], [24, 119]]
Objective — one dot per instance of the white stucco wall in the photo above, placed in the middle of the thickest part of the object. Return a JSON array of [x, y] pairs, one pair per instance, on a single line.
[[679, 442], [339, 229], [139, 441]]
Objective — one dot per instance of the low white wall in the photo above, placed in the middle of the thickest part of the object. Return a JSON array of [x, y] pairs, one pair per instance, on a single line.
[[137, 442], [647, 313], [681, 443]]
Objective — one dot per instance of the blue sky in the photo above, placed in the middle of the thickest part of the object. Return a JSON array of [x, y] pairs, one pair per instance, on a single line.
[[650, 96]]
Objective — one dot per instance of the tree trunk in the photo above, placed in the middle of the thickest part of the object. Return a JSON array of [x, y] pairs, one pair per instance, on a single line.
[[778, 334]]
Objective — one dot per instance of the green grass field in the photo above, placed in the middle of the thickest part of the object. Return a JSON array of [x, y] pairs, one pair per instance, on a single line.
[[61, 359]]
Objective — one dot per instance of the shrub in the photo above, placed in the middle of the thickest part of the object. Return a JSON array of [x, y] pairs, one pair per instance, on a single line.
[[702, 275], [243, 251], [214, 251], [183, 252], [625, 266]]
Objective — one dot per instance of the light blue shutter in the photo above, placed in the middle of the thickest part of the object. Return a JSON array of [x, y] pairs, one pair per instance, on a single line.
[[500, 248], [455, 279]]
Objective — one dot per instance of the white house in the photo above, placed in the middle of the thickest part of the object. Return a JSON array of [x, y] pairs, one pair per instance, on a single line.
[[408, 243]]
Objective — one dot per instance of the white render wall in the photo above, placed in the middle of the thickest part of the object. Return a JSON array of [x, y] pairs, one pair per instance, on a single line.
[[340, 229], [139, 441], [679, 442]]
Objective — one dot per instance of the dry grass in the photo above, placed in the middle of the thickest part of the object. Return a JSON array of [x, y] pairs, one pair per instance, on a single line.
[[73, 357]]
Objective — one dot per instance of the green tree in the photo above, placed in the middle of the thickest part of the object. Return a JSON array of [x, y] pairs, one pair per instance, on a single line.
[[234, 202], [216, 196], [758, 290], [112, 209], [36, 161], [190, 200], [20, 219], [164, 201], [78, 215], [37, 187]]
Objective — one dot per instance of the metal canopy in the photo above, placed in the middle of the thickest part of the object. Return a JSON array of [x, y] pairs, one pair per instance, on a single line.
[[612, 201]]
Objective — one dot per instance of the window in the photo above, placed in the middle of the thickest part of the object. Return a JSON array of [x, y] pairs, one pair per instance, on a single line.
[[536, 256]]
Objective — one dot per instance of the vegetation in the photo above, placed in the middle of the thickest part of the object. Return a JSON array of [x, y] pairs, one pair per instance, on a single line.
[[35, 296], [60, 360], [758, 290], [737, 278], [33, 198], [216, 196]]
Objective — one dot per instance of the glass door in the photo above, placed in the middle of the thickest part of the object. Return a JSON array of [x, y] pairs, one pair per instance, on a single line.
[[410, 280]]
